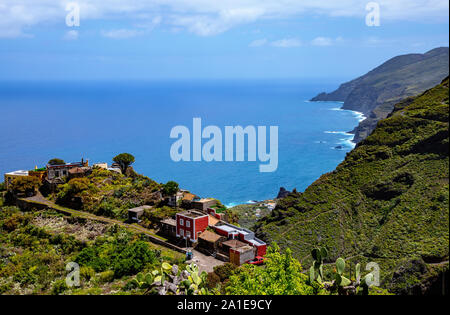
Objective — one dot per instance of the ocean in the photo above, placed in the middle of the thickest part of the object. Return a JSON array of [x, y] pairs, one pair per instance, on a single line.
[[97, 120]]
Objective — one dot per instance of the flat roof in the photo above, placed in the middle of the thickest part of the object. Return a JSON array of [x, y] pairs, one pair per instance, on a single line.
[[18, 173], [212, 220], [243, 249], [209, 236], [192, 214], [139, 209], [256, 242], [233, 243], [74, 164], [169, 221], [228, 228], [205, 200]]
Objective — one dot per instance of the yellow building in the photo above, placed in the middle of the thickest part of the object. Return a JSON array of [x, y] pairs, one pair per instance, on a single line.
[[9, 177], [101, 165]]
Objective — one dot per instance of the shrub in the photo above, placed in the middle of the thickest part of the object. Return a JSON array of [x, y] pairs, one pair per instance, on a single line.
[[11, 223], [87, 273], [224, 271], [89, 257], [59, 286], [212, 280], [106, 276], [25, 185], [56, 161], [170, 188], [132, 259], [73, 188], [282, 275]]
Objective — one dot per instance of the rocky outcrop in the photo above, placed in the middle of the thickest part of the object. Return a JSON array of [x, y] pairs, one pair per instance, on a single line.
[[283, 193], [375, 93]]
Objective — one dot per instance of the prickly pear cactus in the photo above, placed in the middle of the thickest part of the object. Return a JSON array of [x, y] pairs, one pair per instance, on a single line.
[[171, 280], [316, 270]]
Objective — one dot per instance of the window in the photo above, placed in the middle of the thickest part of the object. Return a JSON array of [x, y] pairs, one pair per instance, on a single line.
[[181, 222], [188, 234], [181, 232], [57, 173], [64, 173], [188, 223]]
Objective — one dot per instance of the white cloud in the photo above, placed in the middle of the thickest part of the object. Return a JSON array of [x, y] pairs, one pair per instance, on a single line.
[[322, 41], [223, 20], [287, 43], [207, 17], [121, 33], [258, 43], [140, 29], [378, 42], [71, 35]]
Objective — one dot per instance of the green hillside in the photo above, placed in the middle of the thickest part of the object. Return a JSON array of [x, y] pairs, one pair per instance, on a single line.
[[388, 202]]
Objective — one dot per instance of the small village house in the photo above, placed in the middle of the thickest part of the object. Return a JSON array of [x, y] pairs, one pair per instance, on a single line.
[[175, 199], [101, 165], [209, 242], [241, 255], [11, 176], [188, 199], [78, 172], [39, 173], [233, 232], [203, 204], [62, 170], [230, 244], [135, 214], [216, 214], [190, 224], [168, 227]]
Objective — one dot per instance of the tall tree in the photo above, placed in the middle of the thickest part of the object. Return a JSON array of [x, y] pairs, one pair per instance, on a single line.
[[124, 160], [56, 161], [170, 188]]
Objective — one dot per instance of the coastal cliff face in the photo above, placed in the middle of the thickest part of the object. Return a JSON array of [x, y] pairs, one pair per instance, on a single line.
[[388, 202], [376, 92]]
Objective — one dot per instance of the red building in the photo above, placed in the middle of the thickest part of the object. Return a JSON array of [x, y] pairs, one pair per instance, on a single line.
[[244, 235], [191, 223]]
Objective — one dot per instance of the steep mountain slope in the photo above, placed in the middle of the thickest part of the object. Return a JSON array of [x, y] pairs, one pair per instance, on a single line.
[[388, 202], [376, 92]]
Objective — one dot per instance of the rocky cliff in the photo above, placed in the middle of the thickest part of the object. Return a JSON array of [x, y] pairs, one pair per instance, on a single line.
[[376, 92]]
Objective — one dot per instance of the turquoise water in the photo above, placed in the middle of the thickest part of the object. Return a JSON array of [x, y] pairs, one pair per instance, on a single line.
[[97, 120]]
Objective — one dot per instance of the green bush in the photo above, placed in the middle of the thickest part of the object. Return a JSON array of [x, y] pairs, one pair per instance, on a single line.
[[87, 273], [88, 257], [170, 188], [132, 259], [106, 276], [212, 280], [25, 185], [224, 271], [56, 161], [59, 286], [282, 275]]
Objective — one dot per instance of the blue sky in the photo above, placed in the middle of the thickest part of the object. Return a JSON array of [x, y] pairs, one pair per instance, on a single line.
[[211, 39]]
